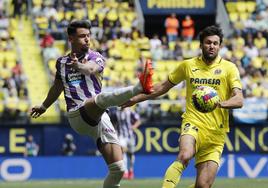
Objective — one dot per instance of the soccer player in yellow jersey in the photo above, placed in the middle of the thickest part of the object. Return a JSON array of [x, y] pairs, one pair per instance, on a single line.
[[202, 134]]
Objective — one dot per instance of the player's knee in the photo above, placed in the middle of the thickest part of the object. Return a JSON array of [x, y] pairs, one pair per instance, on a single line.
[[117, 169], [203, 183], [184, 158]]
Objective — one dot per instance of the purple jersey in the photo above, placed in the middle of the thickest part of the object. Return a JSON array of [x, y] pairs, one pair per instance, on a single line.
[[77, 86], [125, 120]]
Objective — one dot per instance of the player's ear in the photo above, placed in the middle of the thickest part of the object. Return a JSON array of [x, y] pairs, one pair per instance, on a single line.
[[70, 38]]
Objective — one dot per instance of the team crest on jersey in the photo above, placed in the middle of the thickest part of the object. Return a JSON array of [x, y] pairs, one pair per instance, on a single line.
[[217, 71]]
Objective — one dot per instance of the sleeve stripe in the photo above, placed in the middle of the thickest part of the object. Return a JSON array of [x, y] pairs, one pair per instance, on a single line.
[[171, 81]]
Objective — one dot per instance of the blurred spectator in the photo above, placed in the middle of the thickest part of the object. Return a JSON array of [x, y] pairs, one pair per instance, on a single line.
[[260, 42], [68, 147], [157, 53], [31, 148], [17, 8], [47, 40], [125, 121], [178, 51], [155, 42], [96, 30], [172, 26], [188, 29], [251, 51], [50, 52]]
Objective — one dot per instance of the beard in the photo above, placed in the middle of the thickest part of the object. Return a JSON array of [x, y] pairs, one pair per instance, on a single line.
[[209, 57], [85, 49]]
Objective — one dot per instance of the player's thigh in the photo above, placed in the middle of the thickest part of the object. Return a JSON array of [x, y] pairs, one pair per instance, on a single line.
[[111, 152], [93, 110], [187, 141], [108, 142], [206, 173]]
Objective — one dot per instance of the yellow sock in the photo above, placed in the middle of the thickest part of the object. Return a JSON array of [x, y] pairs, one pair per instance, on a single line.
[[173, 175]]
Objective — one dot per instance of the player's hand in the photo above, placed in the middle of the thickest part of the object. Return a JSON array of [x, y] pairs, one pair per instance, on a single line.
[[75, 63], [129, 103], [37, 111]]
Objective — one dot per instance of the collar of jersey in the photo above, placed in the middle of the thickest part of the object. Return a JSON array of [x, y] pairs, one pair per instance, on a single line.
[[215, 63]]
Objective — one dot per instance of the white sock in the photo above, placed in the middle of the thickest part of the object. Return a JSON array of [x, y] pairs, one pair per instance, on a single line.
[[117, 97], [116, 171]]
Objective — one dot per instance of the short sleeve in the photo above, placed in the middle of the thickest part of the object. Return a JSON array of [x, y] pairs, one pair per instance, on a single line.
[[98, 59], [234, 77], [178, 74], [58, 76]]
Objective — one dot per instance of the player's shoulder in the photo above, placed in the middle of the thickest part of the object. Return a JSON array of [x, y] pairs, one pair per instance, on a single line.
[[227, 64], [189, 62], [63, 59], [94, 55]]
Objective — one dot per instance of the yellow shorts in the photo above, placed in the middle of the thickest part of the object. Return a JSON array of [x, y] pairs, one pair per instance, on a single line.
[[209, 143]]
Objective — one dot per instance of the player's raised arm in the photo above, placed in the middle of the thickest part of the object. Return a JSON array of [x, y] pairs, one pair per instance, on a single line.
[[52, 96], [236, 101], [85, 67]]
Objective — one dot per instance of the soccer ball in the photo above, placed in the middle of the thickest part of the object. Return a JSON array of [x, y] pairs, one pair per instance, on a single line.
[[205, 99]]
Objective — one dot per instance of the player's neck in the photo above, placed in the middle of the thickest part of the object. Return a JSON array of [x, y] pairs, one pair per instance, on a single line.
[[79, 54], [207, 61]]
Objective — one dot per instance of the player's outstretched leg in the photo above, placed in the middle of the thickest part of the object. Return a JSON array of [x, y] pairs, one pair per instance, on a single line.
[[146, 77], [122, 95], [112, 154], [173, 174]]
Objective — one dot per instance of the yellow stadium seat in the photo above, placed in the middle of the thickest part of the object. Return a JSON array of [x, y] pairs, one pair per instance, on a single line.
[[173, 94], [112, 15], [184, 44], [1, 106], [233, 16], [129, 66], [195, 44], [162, 76], [165, 106], [250, 6], [23, 105], [160, 66], [119, 66], [171, 45], [241, 6], [244, 16], [230, 6], [176, 108]]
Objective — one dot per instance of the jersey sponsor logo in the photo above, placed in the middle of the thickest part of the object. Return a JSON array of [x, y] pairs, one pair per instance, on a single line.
[[194, 70], [201, 81], [195, 128], [186, 127], [217, 71], [100, 61], [74, 78]]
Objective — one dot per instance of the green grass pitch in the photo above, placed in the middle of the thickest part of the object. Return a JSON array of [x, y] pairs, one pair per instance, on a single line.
[[137, 183]]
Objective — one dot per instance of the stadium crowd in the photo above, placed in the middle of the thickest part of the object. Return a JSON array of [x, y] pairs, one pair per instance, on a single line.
[[14, 100], [117, 36]]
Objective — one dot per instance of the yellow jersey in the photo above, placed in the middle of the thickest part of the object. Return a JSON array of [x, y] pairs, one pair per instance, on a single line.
[[222, 75]]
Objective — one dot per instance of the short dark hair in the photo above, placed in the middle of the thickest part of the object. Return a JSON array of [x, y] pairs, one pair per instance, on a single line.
[[71, 29], [209, 31]]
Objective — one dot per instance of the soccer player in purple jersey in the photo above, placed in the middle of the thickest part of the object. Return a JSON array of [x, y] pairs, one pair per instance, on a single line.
[[79, 75], [125, 121]]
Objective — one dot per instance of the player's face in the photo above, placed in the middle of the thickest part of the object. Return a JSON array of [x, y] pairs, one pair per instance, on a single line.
[[81, 40], [210, 47]]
